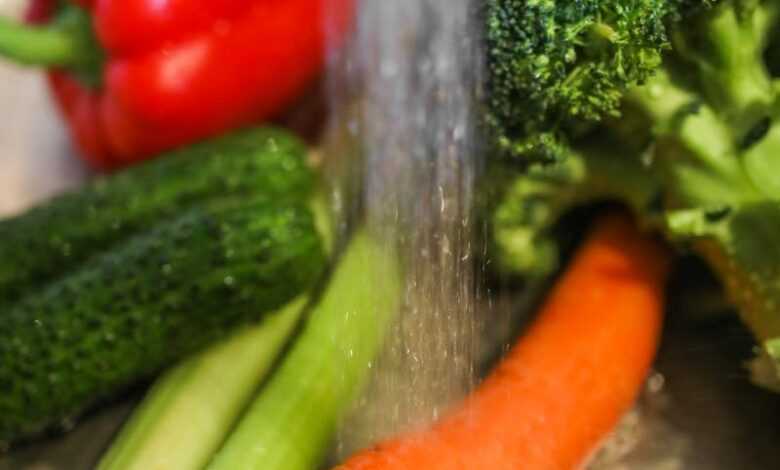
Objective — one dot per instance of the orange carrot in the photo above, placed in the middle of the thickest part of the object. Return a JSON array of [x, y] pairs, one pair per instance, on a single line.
[[564, 386]]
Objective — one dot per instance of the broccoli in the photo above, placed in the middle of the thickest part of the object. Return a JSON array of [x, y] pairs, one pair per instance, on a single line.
[[675, 112], [557, 66]]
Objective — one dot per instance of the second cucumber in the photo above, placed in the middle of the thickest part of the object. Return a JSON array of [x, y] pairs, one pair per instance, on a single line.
[[55, 237]]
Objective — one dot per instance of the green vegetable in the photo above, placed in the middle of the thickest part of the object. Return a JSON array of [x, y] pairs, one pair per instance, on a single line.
[[160, 295], [556, 67], [188, 413], [293, 420], [190, 410], [695, 153], [55, 238]]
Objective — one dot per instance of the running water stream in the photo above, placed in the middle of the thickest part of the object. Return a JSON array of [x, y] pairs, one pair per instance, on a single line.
[[404, 152]]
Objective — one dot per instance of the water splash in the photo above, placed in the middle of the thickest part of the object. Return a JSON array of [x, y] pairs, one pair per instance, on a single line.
[[404, 152]]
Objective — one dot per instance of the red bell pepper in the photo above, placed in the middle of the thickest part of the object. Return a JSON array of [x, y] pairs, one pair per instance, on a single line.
[[137, 77]]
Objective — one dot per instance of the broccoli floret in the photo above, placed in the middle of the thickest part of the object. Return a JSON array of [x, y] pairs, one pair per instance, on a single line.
[[695, 153], [555, 65]]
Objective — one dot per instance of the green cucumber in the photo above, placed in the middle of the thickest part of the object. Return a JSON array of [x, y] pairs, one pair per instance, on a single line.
[[153, 299], [294, 418], [55, 237]]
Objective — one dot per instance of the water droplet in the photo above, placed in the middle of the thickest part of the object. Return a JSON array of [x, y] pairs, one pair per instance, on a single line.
[[656, 383], [67, 424]]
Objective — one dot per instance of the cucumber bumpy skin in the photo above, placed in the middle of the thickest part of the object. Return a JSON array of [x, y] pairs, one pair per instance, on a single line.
[[53, 238], [160, 295]]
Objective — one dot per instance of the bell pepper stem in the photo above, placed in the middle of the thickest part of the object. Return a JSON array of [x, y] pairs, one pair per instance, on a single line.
[[39, 45]]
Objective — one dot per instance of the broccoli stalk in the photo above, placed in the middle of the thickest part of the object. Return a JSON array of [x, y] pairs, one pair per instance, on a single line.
[[695, 153], [530, 204]]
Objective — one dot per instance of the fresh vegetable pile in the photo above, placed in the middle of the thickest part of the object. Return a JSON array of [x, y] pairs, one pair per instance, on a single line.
[[670, 107], [213, 266], [219, 241]]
